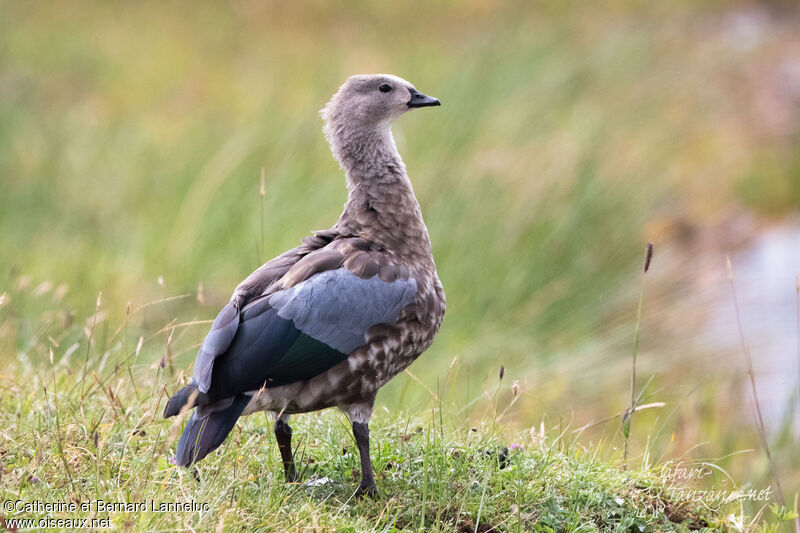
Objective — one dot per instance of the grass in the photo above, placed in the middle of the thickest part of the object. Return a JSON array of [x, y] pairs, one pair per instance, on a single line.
[[93, 433], [628, 417], [132, 143], [762, 431], [84, 426]]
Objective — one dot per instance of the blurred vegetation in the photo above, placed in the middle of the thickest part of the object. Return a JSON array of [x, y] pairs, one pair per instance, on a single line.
[[132, 136]]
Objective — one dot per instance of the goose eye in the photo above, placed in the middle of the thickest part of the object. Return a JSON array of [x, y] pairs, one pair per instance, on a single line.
[[385, 88]]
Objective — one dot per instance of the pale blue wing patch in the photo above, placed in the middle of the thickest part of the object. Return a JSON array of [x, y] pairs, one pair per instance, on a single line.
[[337, 307]]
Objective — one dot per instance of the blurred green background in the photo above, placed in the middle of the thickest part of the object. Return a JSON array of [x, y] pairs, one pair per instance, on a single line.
[[132, 137]]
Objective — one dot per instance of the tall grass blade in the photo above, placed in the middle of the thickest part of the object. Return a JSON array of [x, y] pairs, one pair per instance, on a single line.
[[626, 421], [762, 432]]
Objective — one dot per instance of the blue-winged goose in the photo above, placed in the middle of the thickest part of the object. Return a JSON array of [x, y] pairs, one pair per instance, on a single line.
[[331, 321]]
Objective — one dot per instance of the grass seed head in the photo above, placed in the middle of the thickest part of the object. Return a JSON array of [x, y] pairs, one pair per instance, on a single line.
[[648, 256]]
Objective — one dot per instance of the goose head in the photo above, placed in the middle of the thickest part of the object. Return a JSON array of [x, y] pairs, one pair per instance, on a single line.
[[368, 100]]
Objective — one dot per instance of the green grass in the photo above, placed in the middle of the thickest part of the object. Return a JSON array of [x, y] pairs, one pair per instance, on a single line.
[[132, 139], [428, 482], [87, 428]]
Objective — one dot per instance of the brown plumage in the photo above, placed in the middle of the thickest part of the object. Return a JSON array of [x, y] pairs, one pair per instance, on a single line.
[[356, 304]]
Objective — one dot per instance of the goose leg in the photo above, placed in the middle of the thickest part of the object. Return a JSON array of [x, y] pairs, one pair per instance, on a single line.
[[367, 486], [283, 434], [359, 413]]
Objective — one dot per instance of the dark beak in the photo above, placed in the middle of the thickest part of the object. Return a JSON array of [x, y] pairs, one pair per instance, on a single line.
[[420, 100]]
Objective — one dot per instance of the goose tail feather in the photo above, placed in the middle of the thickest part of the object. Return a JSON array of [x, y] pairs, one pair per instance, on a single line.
[[207, 429]]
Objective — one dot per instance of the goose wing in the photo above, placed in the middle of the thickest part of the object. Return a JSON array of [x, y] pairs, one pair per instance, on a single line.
[[310, 320], [226, 324]]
